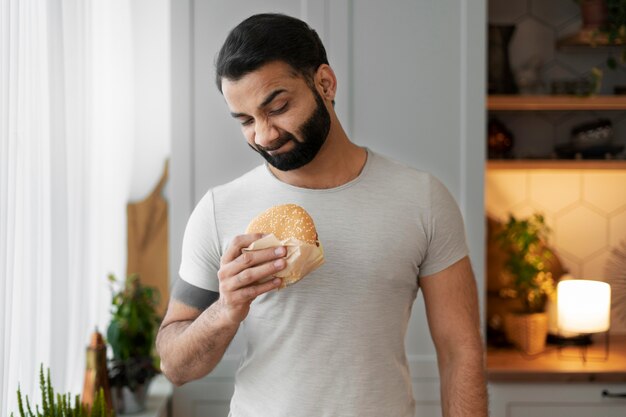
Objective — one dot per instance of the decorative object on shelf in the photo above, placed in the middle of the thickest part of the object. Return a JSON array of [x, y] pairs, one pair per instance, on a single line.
[[610, 151], [500, 79], [596, 133], [584, 308], [603, 24], [594, 15], [590, 140], [615, 271], [60, 405], [499, 140], [580, 87], [131, 334], [527, 271], [528, 77], [96, 374]]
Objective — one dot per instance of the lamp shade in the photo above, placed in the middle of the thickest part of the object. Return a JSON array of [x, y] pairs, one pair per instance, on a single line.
[[584, 306]]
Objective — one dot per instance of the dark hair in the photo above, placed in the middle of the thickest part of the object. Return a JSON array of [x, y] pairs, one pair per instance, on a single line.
[[268, 37]]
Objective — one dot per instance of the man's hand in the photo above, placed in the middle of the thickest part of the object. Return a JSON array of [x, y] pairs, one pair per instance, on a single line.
[[240, 273]]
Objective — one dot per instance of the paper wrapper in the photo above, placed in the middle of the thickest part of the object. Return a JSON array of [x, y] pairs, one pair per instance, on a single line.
[[302, 257]]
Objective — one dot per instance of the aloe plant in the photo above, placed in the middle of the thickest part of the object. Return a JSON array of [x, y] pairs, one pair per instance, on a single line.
[[60, 405]]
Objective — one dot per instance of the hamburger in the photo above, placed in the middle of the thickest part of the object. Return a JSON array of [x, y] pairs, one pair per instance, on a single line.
[[291, 226]]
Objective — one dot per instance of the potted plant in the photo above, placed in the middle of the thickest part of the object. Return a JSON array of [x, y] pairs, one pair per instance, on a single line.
[[131, 334], [60, 405], [524, 242], [603, 24], [616, 33]]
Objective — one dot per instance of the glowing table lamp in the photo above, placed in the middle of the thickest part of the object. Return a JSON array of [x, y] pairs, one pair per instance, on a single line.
[[584, 307]]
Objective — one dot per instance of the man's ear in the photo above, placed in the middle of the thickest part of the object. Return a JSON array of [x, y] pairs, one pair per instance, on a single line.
[[326, 82]]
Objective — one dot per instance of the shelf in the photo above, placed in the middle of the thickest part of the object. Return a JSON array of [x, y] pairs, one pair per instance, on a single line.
[[556, 164], [509, 365], [588, 39], [547, 102]]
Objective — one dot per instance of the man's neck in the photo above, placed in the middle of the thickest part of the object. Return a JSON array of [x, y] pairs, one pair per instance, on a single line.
[[338, 162]]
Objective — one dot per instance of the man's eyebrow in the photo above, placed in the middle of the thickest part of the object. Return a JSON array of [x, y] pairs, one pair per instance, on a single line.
[[271, 96]]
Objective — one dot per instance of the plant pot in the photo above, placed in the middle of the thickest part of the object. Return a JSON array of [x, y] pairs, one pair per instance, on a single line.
[[528, 332], [127, 401], [594, 14]]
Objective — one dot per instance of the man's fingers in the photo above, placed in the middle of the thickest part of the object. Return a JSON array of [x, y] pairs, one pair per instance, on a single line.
[[237, 244], [250, 259], [251, 292], [254, 274], [240, 273]]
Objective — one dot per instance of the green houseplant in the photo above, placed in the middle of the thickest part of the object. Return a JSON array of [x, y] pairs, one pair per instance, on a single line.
[[616, 30], [131, 334], [527, 260], [605, 23], [524, 242], [60, 405]]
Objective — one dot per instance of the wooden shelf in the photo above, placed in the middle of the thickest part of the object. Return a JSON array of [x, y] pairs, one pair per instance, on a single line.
[[556, 164], [509, 365], [563, 103], [588, 39]]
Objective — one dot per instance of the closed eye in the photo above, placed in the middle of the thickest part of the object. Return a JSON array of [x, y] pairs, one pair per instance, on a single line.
[[247, 122], [280, 110]]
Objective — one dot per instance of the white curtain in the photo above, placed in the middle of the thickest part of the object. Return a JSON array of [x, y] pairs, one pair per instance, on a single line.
[[65, 144]]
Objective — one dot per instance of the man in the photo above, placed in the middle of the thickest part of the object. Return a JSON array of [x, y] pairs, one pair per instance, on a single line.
[[332, 344]]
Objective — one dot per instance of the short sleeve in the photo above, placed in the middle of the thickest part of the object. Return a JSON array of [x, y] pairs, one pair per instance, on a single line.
[[201, 250], [446, 232]]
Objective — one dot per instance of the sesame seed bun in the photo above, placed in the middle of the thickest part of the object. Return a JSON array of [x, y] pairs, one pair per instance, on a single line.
[[285, 221]]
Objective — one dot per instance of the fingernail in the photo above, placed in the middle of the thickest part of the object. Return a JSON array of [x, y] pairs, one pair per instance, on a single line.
[[279, 250], [277, 281], [279, 264]]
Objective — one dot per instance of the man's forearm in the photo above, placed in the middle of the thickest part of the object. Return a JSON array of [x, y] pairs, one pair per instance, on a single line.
[[191, 349], [464, 386]]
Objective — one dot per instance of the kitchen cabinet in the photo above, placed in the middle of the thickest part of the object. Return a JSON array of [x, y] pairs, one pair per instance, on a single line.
[[555, 400], [558, 383]]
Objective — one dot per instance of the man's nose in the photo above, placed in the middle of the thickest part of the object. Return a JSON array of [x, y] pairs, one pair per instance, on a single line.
[[265, 133]]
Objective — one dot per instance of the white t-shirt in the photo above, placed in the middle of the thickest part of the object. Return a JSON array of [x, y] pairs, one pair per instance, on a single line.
[[333, 344]]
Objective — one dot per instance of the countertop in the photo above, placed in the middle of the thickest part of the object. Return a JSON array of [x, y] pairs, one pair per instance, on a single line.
[[560, 365]]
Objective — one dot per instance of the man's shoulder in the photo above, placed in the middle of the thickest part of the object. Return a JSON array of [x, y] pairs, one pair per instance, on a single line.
[[251, 180], [396, 171]]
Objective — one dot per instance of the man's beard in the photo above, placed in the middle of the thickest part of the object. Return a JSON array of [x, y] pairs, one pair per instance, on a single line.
[[313, 134]]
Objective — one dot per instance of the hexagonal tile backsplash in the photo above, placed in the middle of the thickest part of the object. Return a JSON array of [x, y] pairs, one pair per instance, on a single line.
[[586, 210]]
